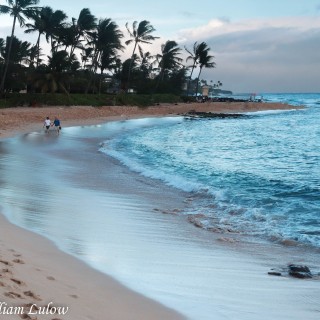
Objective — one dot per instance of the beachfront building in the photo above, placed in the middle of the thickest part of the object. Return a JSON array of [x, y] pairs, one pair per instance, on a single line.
[[205, 90]]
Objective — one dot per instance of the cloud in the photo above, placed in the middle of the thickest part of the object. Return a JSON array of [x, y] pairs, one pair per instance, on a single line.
[[262, 55]]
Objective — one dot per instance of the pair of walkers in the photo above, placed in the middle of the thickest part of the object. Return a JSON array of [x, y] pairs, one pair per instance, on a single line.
[[56, 123]]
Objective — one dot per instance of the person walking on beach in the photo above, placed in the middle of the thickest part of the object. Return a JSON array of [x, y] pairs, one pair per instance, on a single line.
[[57, 124], [47, 124]]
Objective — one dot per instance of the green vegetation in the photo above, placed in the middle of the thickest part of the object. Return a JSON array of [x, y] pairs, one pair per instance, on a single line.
[[85, 58], [59, 99]]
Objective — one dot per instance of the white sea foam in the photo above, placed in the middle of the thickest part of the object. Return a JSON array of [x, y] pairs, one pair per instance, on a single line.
[[241, 166], [170, 179], [266, 112]]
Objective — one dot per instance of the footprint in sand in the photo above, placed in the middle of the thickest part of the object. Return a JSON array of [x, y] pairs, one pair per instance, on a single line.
[[26, 316], [6, 271], [13, 295], [2, 284], [74, 296], [32, 295], [19, 282], [27, 306], [7, 263], [51, 278], [18, 261]]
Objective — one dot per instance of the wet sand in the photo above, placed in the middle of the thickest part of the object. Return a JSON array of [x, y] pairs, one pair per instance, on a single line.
[[34, 272]]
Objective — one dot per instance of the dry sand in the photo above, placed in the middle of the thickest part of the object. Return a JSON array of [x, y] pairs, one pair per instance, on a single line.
[[34, 271]]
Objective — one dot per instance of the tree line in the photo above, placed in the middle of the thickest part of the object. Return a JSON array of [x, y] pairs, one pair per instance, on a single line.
[[85, 55]]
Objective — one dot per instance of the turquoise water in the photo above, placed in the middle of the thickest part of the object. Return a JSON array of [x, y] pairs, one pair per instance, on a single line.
[[258, 175]]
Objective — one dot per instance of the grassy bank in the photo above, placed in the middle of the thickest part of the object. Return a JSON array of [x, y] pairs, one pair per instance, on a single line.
[[56, 99]]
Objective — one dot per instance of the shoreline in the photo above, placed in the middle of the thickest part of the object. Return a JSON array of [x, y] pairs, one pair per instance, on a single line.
[[147, 308], [19, 120], [35, 272]]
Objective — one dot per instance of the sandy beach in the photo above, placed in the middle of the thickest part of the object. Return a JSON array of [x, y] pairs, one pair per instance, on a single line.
[[40, 279], [35, 274], [26, 119]]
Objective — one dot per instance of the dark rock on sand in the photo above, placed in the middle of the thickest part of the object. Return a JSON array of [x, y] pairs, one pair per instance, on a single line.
[[298, 271], [293, 270], [274, 273]]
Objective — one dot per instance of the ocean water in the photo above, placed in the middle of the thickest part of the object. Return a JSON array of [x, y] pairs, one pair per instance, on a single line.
[[254, 179], [257, 176]]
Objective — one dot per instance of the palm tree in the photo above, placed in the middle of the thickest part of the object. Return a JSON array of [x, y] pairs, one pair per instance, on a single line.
[[86, 55], [106, 36], [198, 49], [55, 28], [59, 61], [55, 76], [48, 22], [168, 60], [34, 56], [146, 66], [20, 10], [48, 82], [205, 61], [108, 61], [20, 51], [141, 33], [41, 25], [79, 28], [123, 72], [2, 49]]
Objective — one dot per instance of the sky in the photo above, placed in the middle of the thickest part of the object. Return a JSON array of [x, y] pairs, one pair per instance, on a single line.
[[259, 46]]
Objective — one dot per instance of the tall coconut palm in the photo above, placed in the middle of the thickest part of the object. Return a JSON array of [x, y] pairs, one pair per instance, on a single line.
[[20, 51], [48, 22], [169, 59], [79, 28], [107, 35], [55, 26], [41, 24], [107, 61], [198, 49], [141, 33], [205, 61], [19, 10]]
